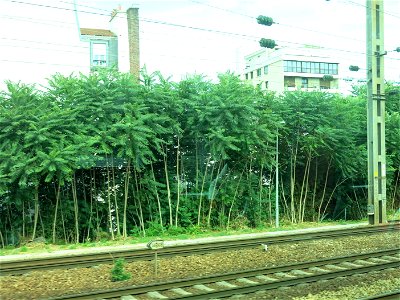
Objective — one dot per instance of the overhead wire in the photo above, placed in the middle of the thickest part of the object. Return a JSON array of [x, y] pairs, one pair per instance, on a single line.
[[364, 6], [278, 23], [244, 36]]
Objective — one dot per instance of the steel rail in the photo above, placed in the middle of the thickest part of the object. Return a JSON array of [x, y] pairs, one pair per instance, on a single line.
[[16, 267], [393, 295], [256, 286]]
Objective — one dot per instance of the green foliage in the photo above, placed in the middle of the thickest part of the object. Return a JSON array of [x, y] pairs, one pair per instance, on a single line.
[[154, 229], [100, 152], [327, 77], [118, 273], [267, 43]]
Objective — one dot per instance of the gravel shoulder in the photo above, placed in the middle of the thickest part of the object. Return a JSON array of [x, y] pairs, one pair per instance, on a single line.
[[41, 285]]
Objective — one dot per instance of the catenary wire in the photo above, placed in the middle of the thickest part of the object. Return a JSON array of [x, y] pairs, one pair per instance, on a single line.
[[175, 25]]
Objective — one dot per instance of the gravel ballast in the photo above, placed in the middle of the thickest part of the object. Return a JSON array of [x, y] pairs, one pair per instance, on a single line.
[[44, 284]]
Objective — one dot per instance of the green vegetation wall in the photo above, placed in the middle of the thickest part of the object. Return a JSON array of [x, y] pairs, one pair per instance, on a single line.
[[102, 156]]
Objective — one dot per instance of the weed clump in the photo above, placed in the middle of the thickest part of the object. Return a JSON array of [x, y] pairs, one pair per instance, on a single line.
[[118, 273]]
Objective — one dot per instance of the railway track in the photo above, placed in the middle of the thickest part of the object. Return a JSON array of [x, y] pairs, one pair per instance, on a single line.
[[250, 281], [16, 267], [393, 295]]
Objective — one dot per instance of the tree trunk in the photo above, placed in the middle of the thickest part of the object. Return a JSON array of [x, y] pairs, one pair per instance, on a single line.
[[303, 191], [293, 162], [141, 219], [57, 192], [396, 183], [126, 192], [76, 212], [63, 222], [109, 200], [234, 197], [308, 166], [260, 190], [213, 193], [91, 206], [157, 196], [36, 211], [270, 198], [315, 190], [178, 185], [201, 192], [168, 187], [324, 190], [23, 218], [330, 197], [115, 196]]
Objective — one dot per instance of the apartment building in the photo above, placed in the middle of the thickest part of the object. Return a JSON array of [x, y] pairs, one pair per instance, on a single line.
[[287, 69]]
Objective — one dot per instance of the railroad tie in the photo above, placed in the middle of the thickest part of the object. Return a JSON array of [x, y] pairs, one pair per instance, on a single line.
[[202, 287], [378, 260], [300, 272], [246, 281], [156, 295], [319, 270], [284, 275], [181, 291], [391, 258], [226, 284], [336, 267], [128, 297], [351, 265], [266, 278], [364, 262]]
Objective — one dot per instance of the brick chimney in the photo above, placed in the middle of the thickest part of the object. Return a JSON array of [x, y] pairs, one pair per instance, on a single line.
[[133, 37]]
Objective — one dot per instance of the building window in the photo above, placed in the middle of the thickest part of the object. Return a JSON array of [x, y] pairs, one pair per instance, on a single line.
[[259, 72], [251, 75], [310, 67], [315, 68], [99, 57], [298, 66], [333, 69], [324, 84], [323, 67], [306, 67], [266, 84], [265, 69], [247, 76], [304, 83], [289, 81]]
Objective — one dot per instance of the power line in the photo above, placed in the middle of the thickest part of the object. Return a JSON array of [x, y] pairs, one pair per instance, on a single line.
[[54, 7], [41, 42], [233, 34], [279, 23], [42, 63], [246, 36], [364, 6]]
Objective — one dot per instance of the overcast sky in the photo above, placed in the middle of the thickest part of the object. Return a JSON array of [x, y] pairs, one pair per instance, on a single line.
[[196, 36]]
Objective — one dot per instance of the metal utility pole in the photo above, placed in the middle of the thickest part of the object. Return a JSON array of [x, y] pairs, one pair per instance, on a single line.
[[376, 113]]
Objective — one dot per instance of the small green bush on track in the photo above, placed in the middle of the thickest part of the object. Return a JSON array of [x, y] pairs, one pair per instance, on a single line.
[[118, 273]]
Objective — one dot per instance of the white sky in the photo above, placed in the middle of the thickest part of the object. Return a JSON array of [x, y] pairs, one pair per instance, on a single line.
[[35, 40]]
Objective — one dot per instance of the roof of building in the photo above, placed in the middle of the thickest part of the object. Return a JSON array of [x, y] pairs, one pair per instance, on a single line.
[[97, 32]]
